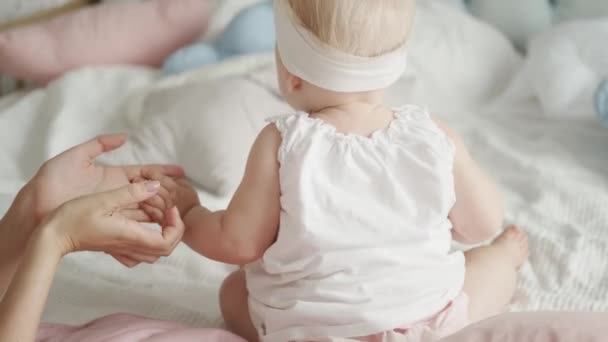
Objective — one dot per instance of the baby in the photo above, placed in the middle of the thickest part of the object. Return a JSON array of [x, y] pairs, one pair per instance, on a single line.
[[347, 210]]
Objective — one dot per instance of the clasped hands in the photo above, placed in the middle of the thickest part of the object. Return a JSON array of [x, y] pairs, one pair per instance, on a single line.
[[81, 205]]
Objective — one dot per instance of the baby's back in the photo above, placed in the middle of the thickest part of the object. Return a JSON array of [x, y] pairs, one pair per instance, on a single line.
[[364, 239]]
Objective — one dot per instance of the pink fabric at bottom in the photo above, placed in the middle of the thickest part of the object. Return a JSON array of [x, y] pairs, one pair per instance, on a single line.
[[129, 328], [450, 320]]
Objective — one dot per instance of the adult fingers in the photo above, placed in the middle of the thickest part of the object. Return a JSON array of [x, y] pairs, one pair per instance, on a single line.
[[174, 171], [132, 259], [168, 186], [137, 179], [151, 173], [101, 144], [125, 260], [141, 257], [157, 201], [135, 237], [148, 240], [133, 249], [155, 214], [128, 195], [138, 215], [166, 193], [141, 240]]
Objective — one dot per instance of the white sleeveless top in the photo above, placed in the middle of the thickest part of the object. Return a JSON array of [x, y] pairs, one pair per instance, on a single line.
[[364, 239]]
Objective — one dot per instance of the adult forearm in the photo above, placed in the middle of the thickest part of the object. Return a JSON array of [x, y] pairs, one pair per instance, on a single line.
[[8, 259], [22, 306], [15, 229]]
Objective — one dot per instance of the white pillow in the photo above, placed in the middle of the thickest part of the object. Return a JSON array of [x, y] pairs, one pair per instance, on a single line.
[[458, 58], [206, 127], [565, 67]]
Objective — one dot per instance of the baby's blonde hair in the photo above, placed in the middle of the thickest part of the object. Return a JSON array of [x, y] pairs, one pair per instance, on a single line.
[[365, 28]]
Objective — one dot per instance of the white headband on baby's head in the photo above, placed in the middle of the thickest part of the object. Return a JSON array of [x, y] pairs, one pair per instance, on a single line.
[[305, 56]]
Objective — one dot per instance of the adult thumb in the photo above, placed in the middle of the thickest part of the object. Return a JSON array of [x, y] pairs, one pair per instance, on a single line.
[[131, 194]]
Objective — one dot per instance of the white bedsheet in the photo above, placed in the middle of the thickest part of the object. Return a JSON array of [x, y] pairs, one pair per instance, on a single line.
[[554, 174]]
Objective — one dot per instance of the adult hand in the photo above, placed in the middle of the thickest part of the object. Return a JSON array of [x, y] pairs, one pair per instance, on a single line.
[[92, 223], [97, 223], [69, 175], [74, 173]]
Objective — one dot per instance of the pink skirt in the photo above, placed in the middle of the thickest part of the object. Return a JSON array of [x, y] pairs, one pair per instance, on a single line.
[[450, 320]]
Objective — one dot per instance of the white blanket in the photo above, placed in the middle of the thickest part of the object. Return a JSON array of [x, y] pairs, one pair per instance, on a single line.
[[555, 177]]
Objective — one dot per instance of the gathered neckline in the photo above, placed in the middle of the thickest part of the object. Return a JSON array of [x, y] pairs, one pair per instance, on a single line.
[[399, 114]]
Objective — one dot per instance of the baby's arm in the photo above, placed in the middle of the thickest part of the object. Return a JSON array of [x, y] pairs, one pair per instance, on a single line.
[[241, 234], [478, 213]]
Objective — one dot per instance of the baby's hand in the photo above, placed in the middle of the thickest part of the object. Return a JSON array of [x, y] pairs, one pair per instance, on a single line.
[[186, 196], [157, 206], [173, 193]]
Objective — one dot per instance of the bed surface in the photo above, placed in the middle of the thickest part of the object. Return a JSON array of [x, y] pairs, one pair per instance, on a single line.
[[554, 175]]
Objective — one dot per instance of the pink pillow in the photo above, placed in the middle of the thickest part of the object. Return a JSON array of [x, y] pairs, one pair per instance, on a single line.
[[143, 33]]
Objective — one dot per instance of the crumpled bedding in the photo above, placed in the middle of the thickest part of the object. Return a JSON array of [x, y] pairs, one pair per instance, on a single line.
[[554, 175]]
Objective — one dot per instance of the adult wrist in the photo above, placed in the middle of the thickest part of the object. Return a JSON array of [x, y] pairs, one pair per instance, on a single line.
[[18, 223], [47, 238]]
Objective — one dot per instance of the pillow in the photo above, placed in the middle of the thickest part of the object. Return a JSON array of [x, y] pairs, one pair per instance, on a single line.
[[458, 58], [536, 327], [143, 33], [565, 67], [208, 127]]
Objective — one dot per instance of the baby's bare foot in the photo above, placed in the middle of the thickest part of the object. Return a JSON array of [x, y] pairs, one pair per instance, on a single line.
[[515, 243]]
